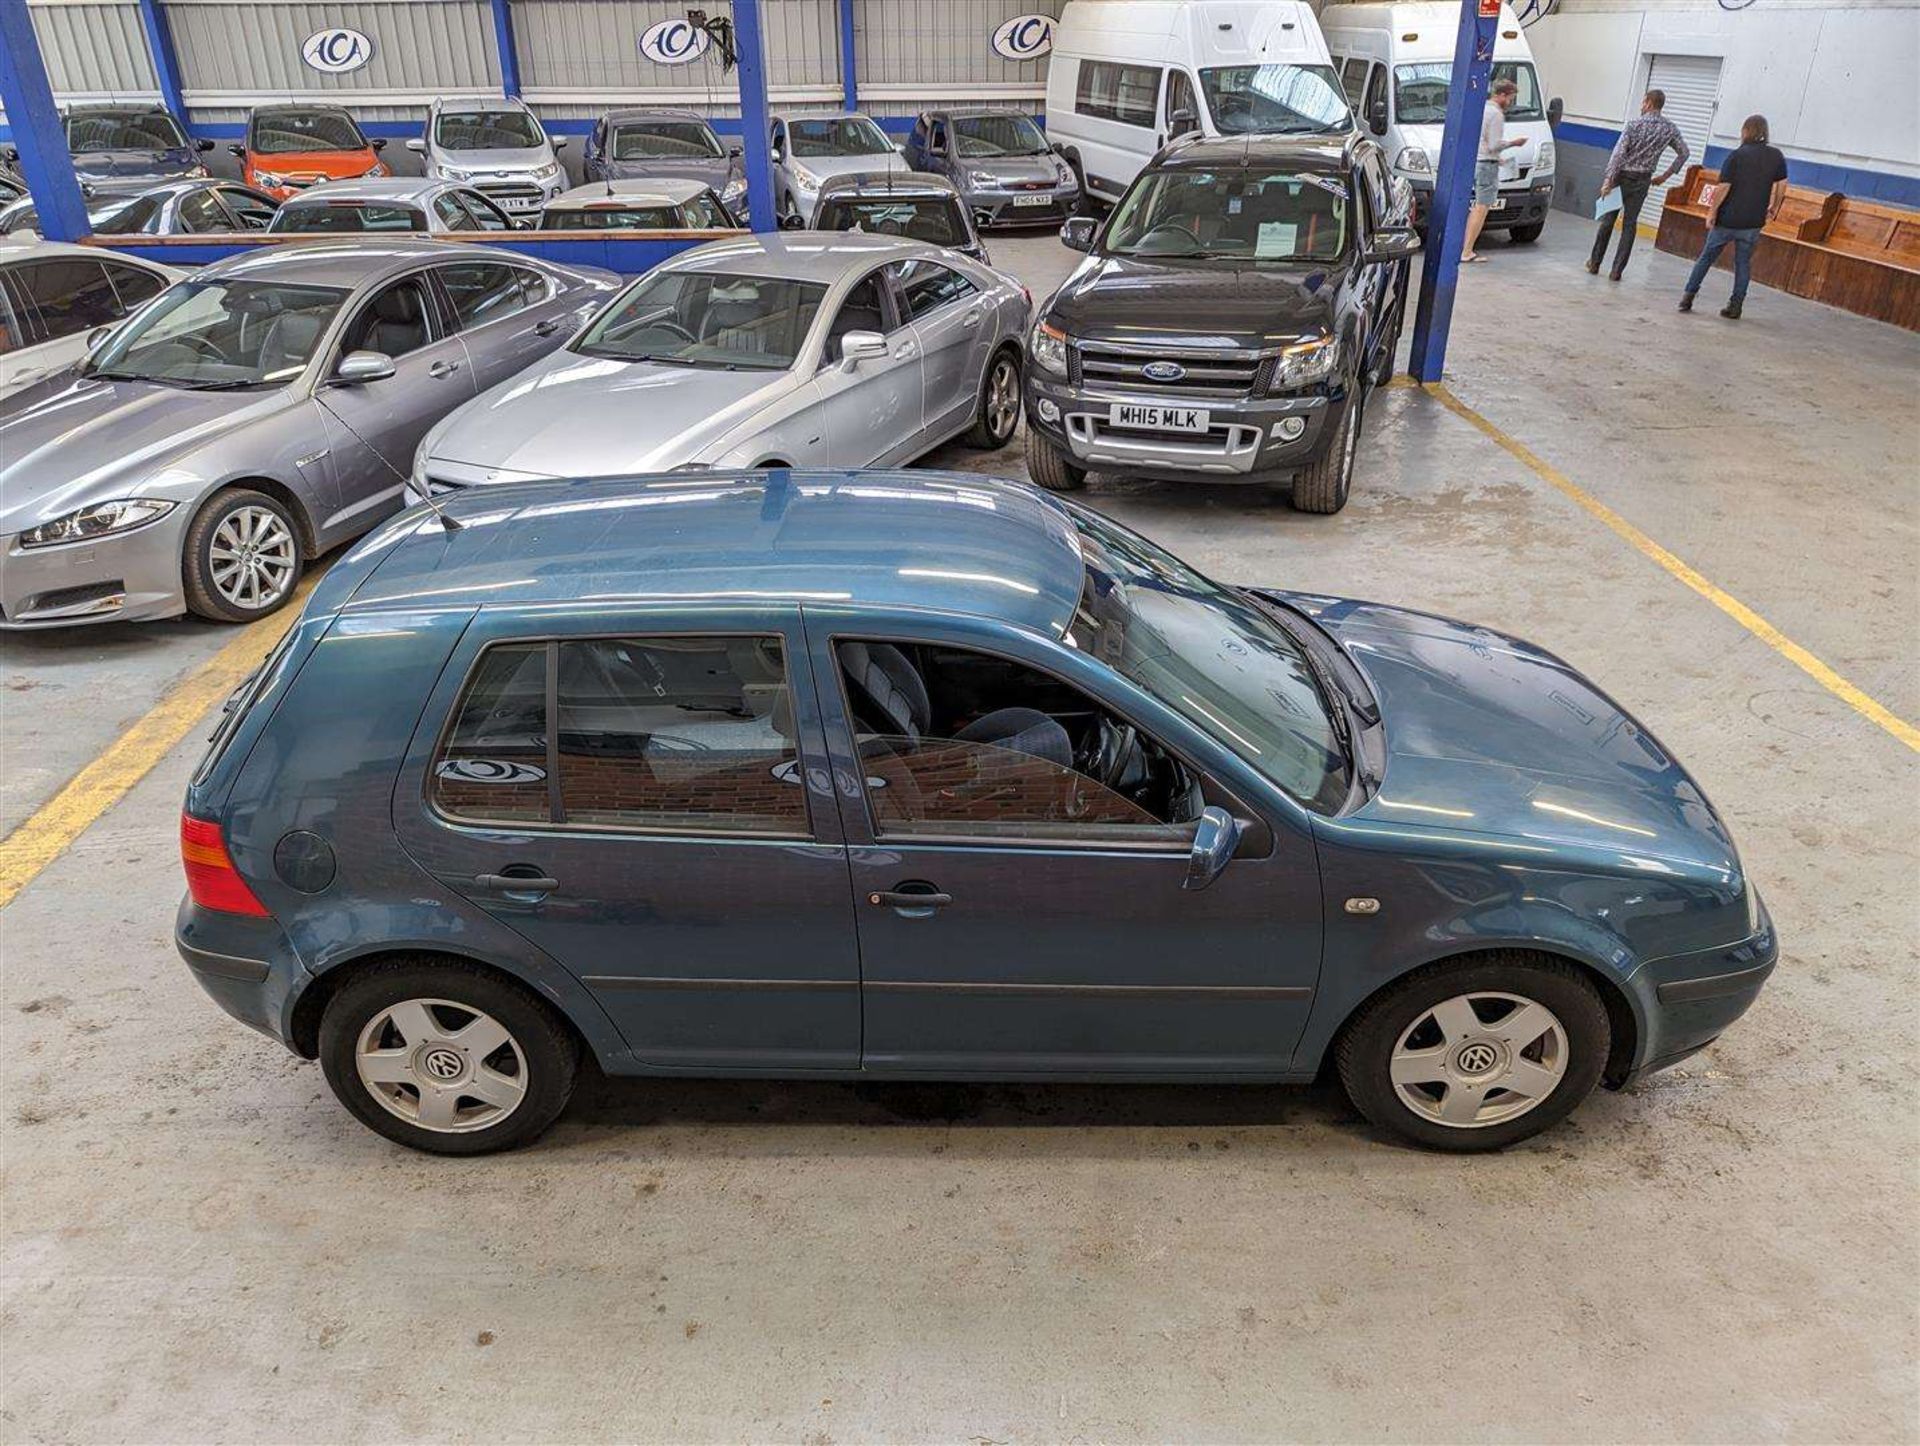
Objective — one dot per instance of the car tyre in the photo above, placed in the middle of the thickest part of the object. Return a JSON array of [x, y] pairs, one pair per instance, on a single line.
[[1526, 235], [476, 1029], [1048, 466], [1518, 1039], [243, 558], [1323, 485], [997, 415]]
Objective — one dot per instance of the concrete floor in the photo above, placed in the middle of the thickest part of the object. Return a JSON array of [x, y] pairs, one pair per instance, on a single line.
[[200, 1245]]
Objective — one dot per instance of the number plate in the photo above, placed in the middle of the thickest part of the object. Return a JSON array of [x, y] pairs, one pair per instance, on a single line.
[[1036, 200], [1158, 419]]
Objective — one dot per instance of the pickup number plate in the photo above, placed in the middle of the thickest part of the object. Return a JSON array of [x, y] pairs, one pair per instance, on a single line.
[[1158, 419]]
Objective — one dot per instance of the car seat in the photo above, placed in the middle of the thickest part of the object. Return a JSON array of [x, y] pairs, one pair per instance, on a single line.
[[883, 678]]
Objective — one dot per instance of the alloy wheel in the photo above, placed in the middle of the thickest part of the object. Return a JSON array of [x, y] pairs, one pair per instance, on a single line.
[[1479, 1059], [252, 558], [1003, 399], [441, 1065]]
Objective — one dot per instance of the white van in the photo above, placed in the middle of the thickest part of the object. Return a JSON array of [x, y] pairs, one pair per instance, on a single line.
[[1396, 64], [1127, 76]]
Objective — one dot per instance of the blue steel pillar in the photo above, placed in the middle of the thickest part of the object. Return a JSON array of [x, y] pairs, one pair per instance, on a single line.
[[35, 123], [1453, 187], [166, 61], [752, 74], [507, 46], [849, 62]]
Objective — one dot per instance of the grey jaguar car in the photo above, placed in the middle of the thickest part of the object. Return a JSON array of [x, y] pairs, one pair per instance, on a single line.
[[251, 418], [802, 349]]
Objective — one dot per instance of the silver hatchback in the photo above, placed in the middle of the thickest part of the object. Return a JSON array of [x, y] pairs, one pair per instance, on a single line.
[[252, 417]]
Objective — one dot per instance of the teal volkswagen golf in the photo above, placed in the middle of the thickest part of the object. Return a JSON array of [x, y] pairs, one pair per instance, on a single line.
[[909, 776]]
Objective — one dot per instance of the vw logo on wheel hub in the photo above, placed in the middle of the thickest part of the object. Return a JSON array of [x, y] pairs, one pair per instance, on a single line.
[[1477, 1058], [1163, 371], [443, 1063]]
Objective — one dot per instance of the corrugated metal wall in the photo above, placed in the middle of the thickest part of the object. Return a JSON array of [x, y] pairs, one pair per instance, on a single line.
[[587, 48], [94, 50], [947, 44]]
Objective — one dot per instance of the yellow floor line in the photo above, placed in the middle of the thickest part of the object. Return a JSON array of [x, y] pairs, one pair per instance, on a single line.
[[1825, 676], [104, 782]]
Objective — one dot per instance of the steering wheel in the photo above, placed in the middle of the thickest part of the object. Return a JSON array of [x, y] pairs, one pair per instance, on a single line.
[[209, 349], [1174, 226], [674, 326], [1110, 753]]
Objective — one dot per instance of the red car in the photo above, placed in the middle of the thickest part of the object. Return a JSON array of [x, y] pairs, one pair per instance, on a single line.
[[291, 147]]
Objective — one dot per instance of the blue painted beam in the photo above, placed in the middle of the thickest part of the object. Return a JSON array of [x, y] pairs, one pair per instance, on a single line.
[[508, 47], [752, 74], [166, 60], [37, 133], [849, 59], [1453, 187]]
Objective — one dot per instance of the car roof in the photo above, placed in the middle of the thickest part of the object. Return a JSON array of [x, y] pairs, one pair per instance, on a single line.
[[942, 542], [298, 107], [890, 183], [117, 107], [627, 115], [32, 246], [824, 256], [377, 188], [1309, 153], [350, 261], [479, 102], [662, 192]]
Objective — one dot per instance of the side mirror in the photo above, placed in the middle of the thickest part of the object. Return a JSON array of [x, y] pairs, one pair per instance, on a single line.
[[559, 145], [1078, 233], [735, 151], [1377, 119], [859, 346], [795, 222], [379, 143], [357, 368], [775, 154], [203, 145], [1180, 122], [1555, 109], [1394, 243], [418, 146], [98, 335], [240, 151], [1215, 838]]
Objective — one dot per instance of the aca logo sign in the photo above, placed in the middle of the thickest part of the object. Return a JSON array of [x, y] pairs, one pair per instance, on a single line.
[[1025, 37], [336, 51], [673, 42]]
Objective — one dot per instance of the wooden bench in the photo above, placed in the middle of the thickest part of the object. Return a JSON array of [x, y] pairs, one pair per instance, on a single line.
[[1862, 256]]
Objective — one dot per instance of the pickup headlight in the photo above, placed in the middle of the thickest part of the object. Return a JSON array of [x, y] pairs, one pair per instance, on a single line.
[[1303, 365], [1413, 161], [85, 524], [1047, 346], [1544, 163]]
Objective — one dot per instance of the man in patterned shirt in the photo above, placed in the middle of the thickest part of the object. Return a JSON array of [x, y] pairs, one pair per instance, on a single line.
[[1630, 167]]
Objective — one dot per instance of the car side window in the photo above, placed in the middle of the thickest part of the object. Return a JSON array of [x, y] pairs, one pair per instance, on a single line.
[[863, 310], [1353, 79], [71, 296], [675, 734], [483, 291], [925, 286], [134, 286], [13, 335], [703, 213], [254, 213], [396, 321], [939, 137], [959, 743], [1375, 113], [201, 212], [1129, 94], [451, 213]]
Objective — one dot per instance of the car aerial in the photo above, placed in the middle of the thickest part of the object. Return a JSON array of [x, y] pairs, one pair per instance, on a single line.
[[52, 296], [1000, 162], [252, 417], [915, 775], [656, 145], [131, 142], [499, 147], [808, 150], [1228, 321], [291, 147], [393, 204], [206, 206], [783, 350], [665, 205], [917, 207]]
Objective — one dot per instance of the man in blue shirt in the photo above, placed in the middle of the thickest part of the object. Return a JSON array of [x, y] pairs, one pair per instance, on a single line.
[[1630, 167], [1752, 184]]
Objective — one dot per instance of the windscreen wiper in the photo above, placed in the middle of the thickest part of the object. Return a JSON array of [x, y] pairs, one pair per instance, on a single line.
[[1363, 707]]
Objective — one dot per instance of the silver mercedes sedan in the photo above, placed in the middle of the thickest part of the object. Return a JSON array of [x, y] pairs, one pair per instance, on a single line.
[[811, 349], [252, 417]]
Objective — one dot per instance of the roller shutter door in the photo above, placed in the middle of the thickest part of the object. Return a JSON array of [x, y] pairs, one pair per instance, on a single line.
[[1692, 84]]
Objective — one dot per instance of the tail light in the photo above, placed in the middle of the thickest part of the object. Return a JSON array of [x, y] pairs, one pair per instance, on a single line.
[[212, 880]]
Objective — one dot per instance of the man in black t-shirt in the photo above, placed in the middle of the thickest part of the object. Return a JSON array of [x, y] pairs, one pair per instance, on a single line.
[[1752, 184]]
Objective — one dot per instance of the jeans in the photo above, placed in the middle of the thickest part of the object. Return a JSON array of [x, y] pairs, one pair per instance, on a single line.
[[1633, 195], [1743, 239]]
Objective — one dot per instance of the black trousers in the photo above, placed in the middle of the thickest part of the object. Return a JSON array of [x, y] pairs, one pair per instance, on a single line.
[[1633, 195]]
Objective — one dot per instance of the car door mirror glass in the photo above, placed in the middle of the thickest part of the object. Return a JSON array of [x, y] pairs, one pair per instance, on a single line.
[[859, 346], [357, 368], [1078, 233], [1215, 837]]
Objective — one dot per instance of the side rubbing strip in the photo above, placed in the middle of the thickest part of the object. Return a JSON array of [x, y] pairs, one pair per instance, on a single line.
[[640, 981], [1095, 991]]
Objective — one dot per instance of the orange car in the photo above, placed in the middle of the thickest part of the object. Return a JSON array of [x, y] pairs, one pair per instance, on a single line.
[[291, 147]]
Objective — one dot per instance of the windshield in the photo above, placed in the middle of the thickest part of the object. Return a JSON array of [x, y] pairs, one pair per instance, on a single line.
[[1420, 91], [708, 319], [1209, 655], [847, 135], [221, 334], [665, 140], [981, 137], [934, 219], [1275, 99], [487, 130], [1245, 214], [317, 216], [150, 131], [282, 132], [614, 217]]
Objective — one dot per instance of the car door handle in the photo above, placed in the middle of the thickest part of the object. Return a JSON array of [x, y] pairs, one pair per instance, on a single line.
[[906, 899], [443, 369], [547, 327], [517, 883], [906, 351], [972, 318]]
